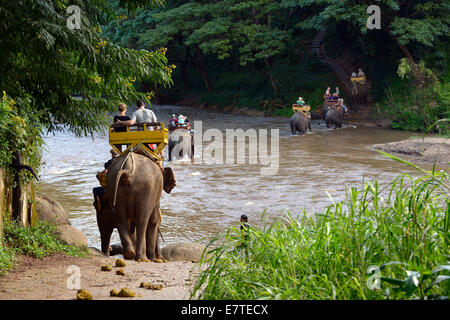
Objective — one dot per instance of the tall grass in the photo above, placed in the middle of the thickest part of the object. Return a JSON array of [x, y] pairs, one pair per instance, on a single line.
[[389, 243]]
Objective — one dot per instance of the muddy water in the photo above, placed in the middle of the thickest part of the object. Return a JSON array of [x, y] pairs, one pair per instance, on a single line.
[[209, 198]]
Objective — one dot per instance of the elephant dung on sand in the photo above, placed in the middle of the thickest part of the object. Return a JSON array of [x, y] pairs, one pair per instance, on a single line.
[[132, 205], [181, 143], [300, 122]]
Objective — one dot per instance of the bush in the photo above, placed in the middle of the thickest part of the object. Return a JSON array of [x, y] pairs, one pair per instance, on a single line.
[[417, 104], [401, 232], [20, 131], [36, 241]]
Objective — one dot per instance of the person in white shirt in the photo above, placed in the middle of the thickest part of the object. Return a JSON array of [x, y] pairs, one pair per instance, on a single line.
[[141, 115]]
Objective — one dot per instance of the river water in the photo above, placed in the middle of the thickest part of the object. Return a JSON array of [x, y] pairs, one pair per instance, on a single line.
[[209, 198]]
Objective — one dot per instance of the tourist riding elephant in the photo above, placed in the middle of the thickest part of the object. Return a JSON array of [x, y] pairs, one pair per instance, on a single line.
[[333, 116], [132, 205], [300, 122], [181, 143]]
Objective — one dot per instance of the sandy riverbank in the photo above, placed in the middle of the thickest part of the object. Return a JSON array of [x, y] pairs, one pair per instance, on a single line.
[[428, 150], [46, 279]]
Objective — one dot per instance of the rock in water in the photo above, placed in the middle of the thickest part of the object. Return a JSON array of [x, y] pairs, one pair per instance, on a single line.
[[72, 235], [51, 211], [183, 251]]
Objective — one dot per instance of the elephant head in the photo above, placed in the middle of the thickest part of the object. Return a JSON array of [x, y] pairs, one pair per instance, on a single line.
[[105, 222], [169, 180]]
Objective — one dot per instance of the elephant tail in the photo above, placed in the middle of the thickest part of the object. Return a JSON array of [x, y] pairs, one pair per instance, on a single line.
[[128, 174]]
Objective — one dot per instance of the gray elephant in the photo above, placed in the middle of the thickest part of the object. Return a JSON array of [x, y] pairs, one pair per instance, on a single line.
[[181, 143], [300, 122], [132, 205], [333, 115], [360, 93]]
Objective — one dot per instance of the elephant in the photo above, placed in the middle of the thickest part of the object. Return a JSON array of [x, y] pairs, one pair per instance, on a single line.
[[132, 205], [300, 122], [181, 143], [333, 116], [359, 94]]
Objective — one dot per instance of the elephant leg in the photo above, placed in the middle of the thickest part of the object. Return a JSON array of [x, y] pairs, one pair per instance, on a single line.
[[141, 228], [125, 239], [153, 250], [170, 151], [192, 146], [105, 236]]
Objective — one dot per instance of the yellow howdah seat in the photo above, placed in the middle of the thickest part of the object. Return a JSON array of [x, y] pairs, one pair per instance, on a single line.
[[140, 135], [358, 79], [298, 108]]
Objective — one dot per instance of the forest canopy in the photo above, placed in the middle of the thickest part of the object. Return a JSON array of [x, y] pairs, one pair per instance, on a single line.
[[243, 53]]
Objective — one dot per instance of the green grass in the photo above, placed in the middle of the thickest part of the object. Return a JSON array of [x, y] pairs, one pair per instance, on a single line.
[[36, 241], [403, 230]]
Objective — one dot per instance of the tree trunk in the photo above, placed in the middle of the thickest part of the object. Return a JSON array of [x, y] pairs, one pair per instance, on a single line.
[[17, 205], [402, 47], [201, 68], [273, 81], [184, 63]]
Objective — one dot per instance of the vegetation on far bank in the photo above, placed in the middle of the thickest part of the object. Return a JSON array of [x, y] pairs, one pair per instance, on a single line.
[[255, 53], [382, 242], [37, 241]]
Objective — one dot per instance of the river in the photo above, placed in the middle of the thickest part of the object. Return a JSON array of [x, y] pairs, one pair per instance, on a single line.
[[208, 198]]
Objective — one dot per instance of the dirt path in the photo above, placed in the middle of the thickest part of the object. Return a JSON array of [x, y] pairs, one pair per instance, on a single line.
[[47, 278]]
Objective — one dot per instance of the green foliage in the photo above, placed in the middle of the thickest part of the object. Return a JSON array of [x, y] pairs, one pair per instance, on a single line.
[[6, 259], [51, 63], [267, 40], [420, 102], [402, 230], [19, 131], [37, 241]]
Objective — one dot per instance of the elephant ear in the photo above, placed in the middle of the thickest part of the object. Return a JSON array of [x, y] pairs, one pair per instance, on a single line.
[[169, 180]]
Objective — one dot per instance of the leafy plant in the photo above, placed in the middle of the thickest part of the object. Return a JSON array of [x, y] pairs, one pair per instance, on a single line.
[[37, 241], [403, 226], [427, 284]]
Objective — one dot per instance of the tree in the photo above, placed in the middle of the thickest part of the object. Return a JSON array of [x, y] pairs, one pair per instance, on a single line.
[[407, 22], [42, 58], [252, 32], [53, 74]]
